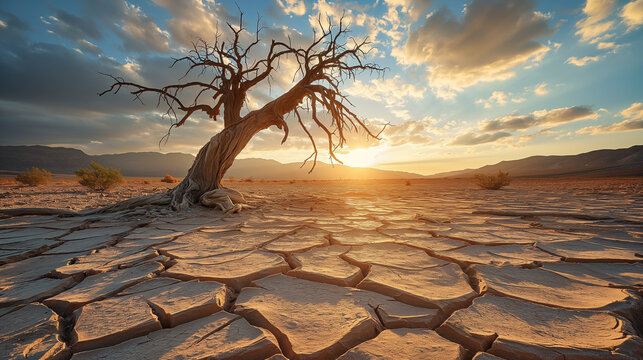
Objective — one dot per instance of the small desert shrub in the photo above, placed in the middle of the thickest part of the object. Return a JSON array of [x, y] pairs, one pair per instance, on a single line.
[[100, 178], [250, 179], [169, 179], [34, 177], [408, 183], [146, 182], [492, 182]]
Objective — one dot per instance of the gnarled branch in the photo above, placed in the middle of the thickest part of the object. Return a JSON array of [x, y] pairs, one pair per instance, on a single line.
[[323, 66]]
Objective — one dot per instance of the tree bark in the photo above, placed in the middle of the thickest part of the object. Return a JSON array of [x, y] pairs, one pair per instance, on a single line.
[[216, 157]]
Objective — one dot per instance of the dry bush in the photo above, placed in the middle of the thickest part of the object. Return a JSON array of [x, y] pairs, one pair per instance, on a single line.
[[34, 177], [248, 179], [169, 179], [100, 178], [493, 182], [147, 182]]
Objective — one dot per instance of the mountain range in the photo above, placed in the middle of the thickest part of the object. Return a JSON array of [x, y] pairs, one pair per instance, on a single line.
[[59, 160], [598, 163]]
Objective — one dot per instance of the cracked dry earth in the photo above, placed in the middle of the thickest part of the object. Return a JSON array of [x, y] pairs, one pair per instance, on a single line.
[[325, 271]]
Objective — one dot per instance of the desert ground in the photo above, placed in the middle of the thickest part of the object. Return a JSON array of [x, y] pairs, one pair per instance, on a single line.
[[432, 269]]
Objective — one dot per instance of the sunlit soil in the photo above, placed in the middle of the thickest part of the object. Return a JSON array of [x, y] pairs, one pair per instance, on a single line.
[[542, 269], [65, 193]]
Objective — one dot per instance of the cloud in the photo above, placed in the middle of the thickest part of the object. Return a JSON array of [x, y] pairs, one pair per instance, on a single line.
[[137, 31], [402, 114], [335, 10], [633, 112], [195, 19], [88, 47], [528, 137], [12, 33], [75, 29], [565, 115], [22, 124], [541, 89], [592, 26], [413, 8], [490, 40], [543, 117], [411, 132], [32, 124], [477, 139], [10, 20], [386, 30], [625, 125], [609, 45], [72, 27], [499, 98], [67, 82], [582, 61], [295, 7], [511, 122], [392, 91], [632, 14], [633, 121]]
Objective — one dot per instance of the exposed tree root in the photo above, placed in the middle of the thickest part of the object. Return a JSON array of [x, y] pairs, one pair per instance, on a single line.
[[156, 199], [227, 200]]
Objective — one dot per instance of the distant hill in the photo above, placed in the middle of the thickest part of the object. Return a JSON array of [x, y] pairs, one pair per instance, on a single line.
[[598, 163], [60, 160]]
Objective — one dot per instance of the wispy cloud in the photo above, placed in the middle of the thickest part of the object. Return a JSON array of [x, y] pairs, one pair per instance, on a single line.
[[633, 116], [594, 24], [582, 61], [499, 98], [543, 117], [392, 91], [477, 139], [632, 14], [541, 89], [294, 7]]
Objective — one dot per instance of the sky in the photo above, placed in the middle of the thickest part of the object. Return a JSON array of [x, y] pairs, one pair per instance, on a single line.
[[467, 83]]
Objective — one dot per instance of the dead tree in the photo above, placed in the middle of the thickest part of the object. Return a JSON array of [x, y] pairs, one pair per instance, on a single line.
[[331, 58]]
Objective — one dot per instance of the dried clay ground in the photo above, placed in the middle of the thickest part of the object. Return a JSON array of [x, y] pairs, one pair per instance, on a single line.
[[544, 269]]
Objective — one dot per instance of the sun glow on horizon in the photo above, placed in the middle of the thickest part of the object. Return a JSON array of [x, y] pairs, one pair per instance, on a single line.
[[363, 157]]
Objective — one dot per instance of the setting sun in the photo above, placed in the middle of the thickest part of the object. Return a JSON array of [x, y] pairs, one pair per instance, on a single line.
[[360, 157]]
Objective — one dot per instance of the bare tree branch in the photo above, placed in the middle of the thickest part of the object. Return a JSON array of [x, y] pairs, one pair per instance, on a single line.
[[323, 66]]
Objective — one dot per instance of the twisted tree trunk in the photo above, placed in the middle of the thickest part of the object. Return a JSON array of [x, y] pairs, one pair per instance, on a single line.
[[322, 68], [216, 157]]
